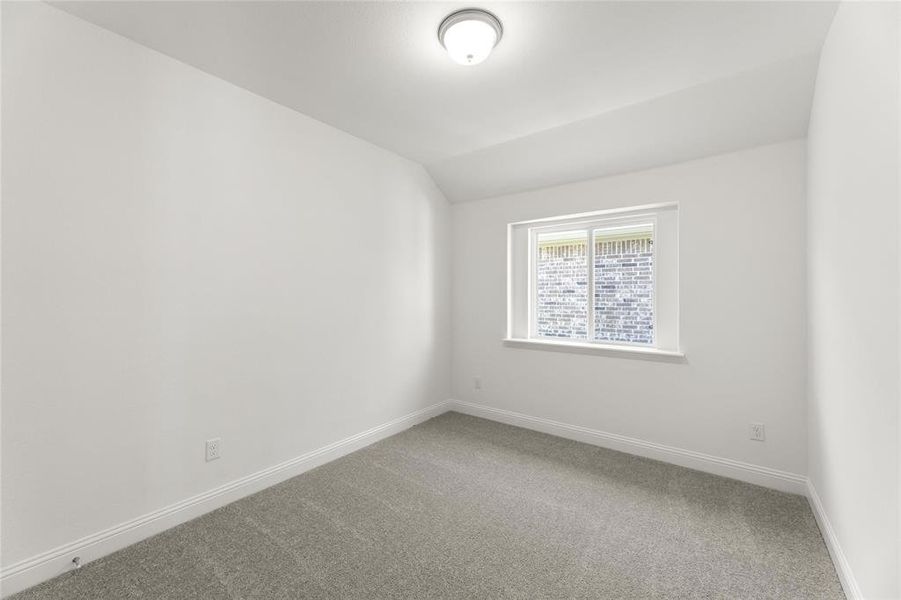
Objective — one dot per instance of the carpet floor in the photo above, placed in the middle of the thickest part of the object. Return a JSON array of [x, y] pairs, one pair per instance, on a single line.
[[460, 507]]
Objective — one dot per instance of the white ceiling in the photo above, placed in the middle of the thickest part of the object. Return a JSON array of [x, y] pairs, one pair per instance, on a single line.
[[574, 90]]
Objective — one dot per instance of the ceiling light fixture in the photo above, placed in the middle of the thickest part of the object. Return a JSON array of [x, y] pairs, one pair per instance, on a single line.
[[469, 35]]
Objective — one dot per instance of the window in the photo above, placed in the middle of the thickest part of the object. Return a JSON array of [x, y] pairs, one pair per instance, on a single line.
[[605, 280]]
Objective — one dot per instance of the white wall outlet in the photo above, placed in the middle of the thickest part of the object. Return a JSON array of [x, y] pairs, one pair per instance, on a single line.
[[758, 433], [477, 383], [213, 447]]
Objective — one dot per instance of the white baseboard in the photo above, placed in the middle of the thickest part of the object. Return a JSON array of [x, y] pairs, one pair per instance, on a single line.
[[756, 474], [842, 568], [36, 569]]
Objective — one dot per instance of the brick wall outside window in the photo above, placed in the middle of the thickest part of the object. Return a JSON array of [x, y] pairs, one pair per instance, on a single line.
[[624, 291], [623, 294], [563, 290]]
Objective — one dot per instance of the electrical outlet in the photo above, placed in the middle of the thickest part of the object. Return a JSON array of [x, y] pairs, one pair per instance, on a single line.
[[213, 448], [758, 433], [477, 383]]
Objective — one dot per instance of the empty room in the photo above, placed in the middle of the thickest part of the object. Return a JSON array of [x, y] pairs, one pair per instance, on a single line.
[[437, 300]]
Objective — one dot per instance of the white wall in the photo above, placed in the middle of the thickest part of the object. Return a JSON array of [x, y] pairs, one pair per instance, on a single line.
[[853, 229], [742, 312], [183, 259]]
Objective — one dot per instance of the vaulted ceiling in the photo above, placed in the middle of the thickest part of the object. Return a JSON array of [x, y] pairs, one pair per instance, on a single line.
[[574, 90]]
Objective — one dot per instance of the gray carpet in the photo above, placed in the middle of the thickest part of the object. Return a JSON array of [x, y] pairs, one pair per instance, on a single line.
[[460, 507]]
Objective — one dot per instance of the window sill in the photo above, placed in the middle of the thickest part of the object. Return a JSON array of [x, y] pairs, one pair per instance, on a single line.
[[638, 352]]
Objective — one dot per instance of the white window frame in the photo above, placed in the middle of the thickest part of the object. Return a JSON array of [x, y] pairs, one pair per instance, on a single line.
[[522, 329], [588, 228]]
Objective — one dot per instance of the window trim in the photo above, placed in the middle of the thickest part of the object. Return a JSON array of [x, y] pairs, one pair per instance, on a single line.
[[589, 221], [646, 352]]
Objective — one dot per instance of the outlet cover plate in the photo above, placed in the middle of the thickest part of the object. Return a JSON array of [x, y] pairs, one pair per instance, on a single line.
[[758, 432], [213, 448]]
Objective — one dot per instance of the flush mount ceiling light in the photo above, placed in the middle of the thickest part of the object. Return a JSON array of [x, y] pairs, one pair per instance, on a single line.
[[470, 35]]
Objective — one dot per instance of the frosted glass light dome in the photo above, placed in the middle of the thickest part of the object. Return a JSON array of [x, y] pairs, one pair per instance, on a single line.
[[470, 35]]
